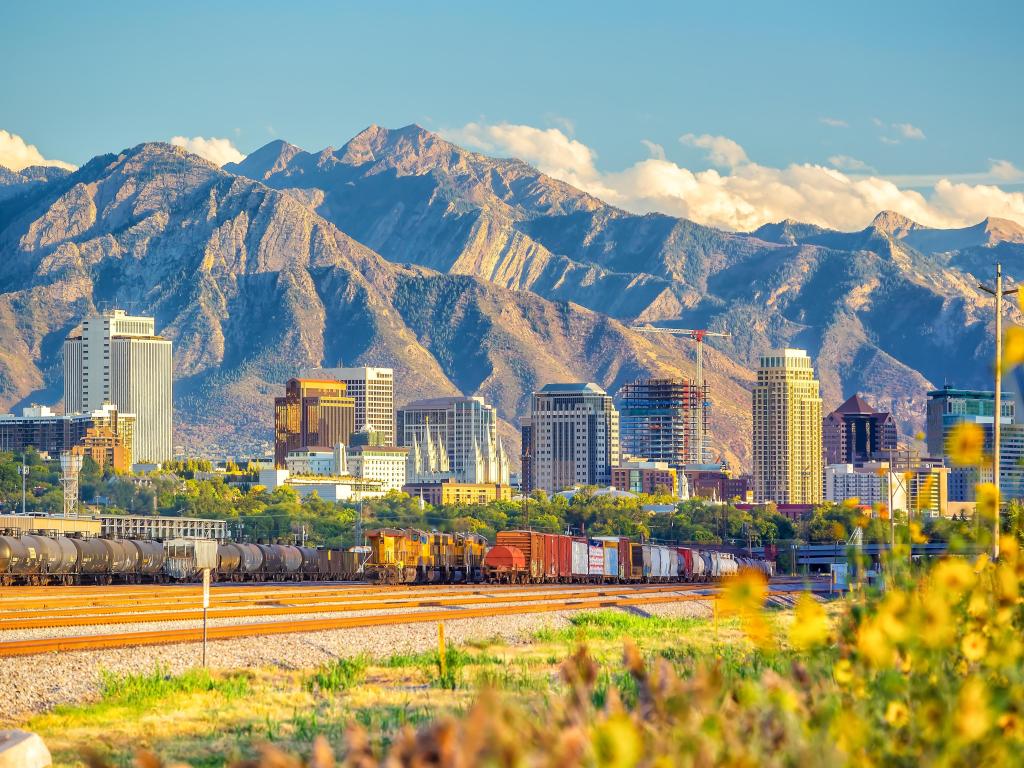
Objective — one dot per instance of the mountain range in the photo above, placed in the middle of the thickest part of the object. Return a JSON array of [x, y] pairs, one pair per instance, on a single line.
[[467, 274]]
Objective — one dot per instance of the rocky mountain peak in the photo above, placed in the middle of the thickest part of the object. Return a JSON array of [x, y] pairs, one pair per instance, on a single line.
[[894, 224], [1002, 230], [265, 161]]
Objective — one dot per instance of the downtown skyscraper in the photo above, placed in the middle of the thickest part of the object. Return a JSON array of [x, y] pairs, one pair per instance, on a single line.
[[119, 359], [788, 467]]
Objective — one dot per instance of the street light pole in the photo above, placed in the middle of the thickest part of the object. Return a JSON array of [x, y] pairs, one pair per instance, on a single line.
[[998, 293]]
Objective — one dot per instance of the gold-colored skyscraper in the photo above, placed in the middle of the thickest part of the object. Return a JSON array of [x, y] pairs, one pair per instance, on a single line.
[[787, 430], [314, 413]]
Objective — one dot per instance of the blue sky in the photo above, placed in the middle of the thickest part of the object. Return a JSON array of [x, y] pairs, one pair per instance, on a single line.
[[911, 91]]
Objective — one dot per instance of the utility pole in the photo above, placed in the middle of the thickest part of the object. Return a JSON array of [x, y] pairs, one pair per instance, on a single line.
[[998, 292], [23, 471]]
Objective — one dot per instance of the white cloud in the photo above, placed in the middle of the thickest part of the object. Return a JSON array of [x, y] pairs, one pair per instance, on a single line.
[[564, 123], [16, 153], [656, 151], [217, 151], [908, 131], [549, 149], [746, 195], [723, 152], [1005, 171], [847, 163], [833, 122], [887, 140]]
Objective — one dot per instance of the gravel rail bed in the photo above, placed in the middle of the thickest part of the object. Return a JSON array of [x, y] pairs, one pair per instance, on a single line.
[[12, 635], [33, 684]]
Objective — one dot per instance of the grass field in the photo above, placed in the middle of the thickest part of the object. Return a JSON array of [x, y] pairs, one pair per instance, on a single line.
[[213, 718]]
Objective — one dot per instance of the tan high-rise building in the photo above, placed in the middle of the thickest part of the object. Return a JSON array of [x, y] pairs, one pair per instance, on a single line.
[[788, 466], [373, 389], [314, 413], [117, 358]]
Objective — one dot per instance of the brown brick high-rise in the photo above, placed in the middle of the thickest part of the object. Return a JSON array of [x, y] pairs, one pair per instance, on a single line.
[[314, 413]]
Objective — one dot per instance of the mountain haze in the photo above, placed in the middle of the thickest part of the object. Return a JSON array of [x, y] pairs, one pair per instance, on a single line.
[[467, 274]]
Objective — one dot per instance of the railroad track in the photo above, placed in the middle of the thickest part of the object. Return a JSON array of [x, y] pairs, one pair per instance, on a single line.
[[160, 594], [224, 632], [156, 596], [293, 606]]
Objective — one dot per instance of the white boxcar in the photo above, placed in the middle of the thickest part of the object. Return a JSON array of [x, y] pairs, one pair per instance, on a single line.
[[611, 562], [595, 560], [663, 565], [580, 558]]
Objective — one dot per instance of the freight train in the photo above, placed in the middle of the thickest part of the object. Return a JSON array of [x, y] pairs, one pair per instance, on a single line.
[[42, 559], [529, 557], [394, 556]]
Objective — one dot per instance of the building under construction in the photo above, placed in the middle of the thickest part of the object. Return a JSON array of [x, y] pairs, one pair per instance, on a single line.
[[664, 420]]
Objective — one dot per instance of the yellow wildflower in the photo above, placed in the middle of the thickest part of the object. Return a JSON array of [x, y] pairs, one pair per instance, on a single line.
[[851, 502], [873, 643], [919, 435], [896, 714], [1012, 725], [618, 743], [965, 444], [810, 626], [745, 592], [987, 499], [936, 626], [843, 672], [916, 534], [974, 646], [977, 606], [954, 575], [1013, 347], [972, 715], [1006, 582]]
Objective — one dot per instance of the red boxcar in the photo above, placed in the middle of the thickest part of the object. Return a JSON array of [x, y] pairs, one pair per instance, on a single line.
[[564, 557], [624, 559], [685, 564], [550, 557], [531, 544]]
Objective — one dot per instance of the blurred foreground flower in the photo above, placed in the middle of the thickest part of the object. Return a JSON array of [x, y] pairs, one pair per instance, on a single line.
[[810, 627], [966, 444], [1013, 347], [744, 595], [987, 499]]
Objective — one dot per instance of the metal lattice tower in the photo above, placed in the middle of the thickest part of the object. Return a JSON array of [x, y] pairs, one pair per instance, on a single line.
[[71, 466]]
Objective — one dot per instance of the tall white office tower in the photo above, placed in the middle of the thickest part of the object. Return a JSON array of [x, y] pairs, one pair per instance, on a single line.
[[116, 358], [373, 389]]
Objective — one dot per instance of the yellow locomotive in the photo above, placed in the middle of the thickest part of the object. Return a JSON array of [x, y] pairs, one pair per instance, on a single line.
[[412, 556]]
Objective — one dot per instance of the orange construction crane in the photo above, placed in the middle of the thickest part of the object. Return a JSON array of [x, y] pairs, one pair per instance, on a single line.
[[697, 334]]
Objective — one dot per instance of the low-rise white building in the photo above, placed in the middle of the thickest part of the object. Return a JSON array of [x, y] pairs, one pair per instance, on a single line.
[[870, 485], [317, 462], [383, 464], [920, 485], [327, 487]]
